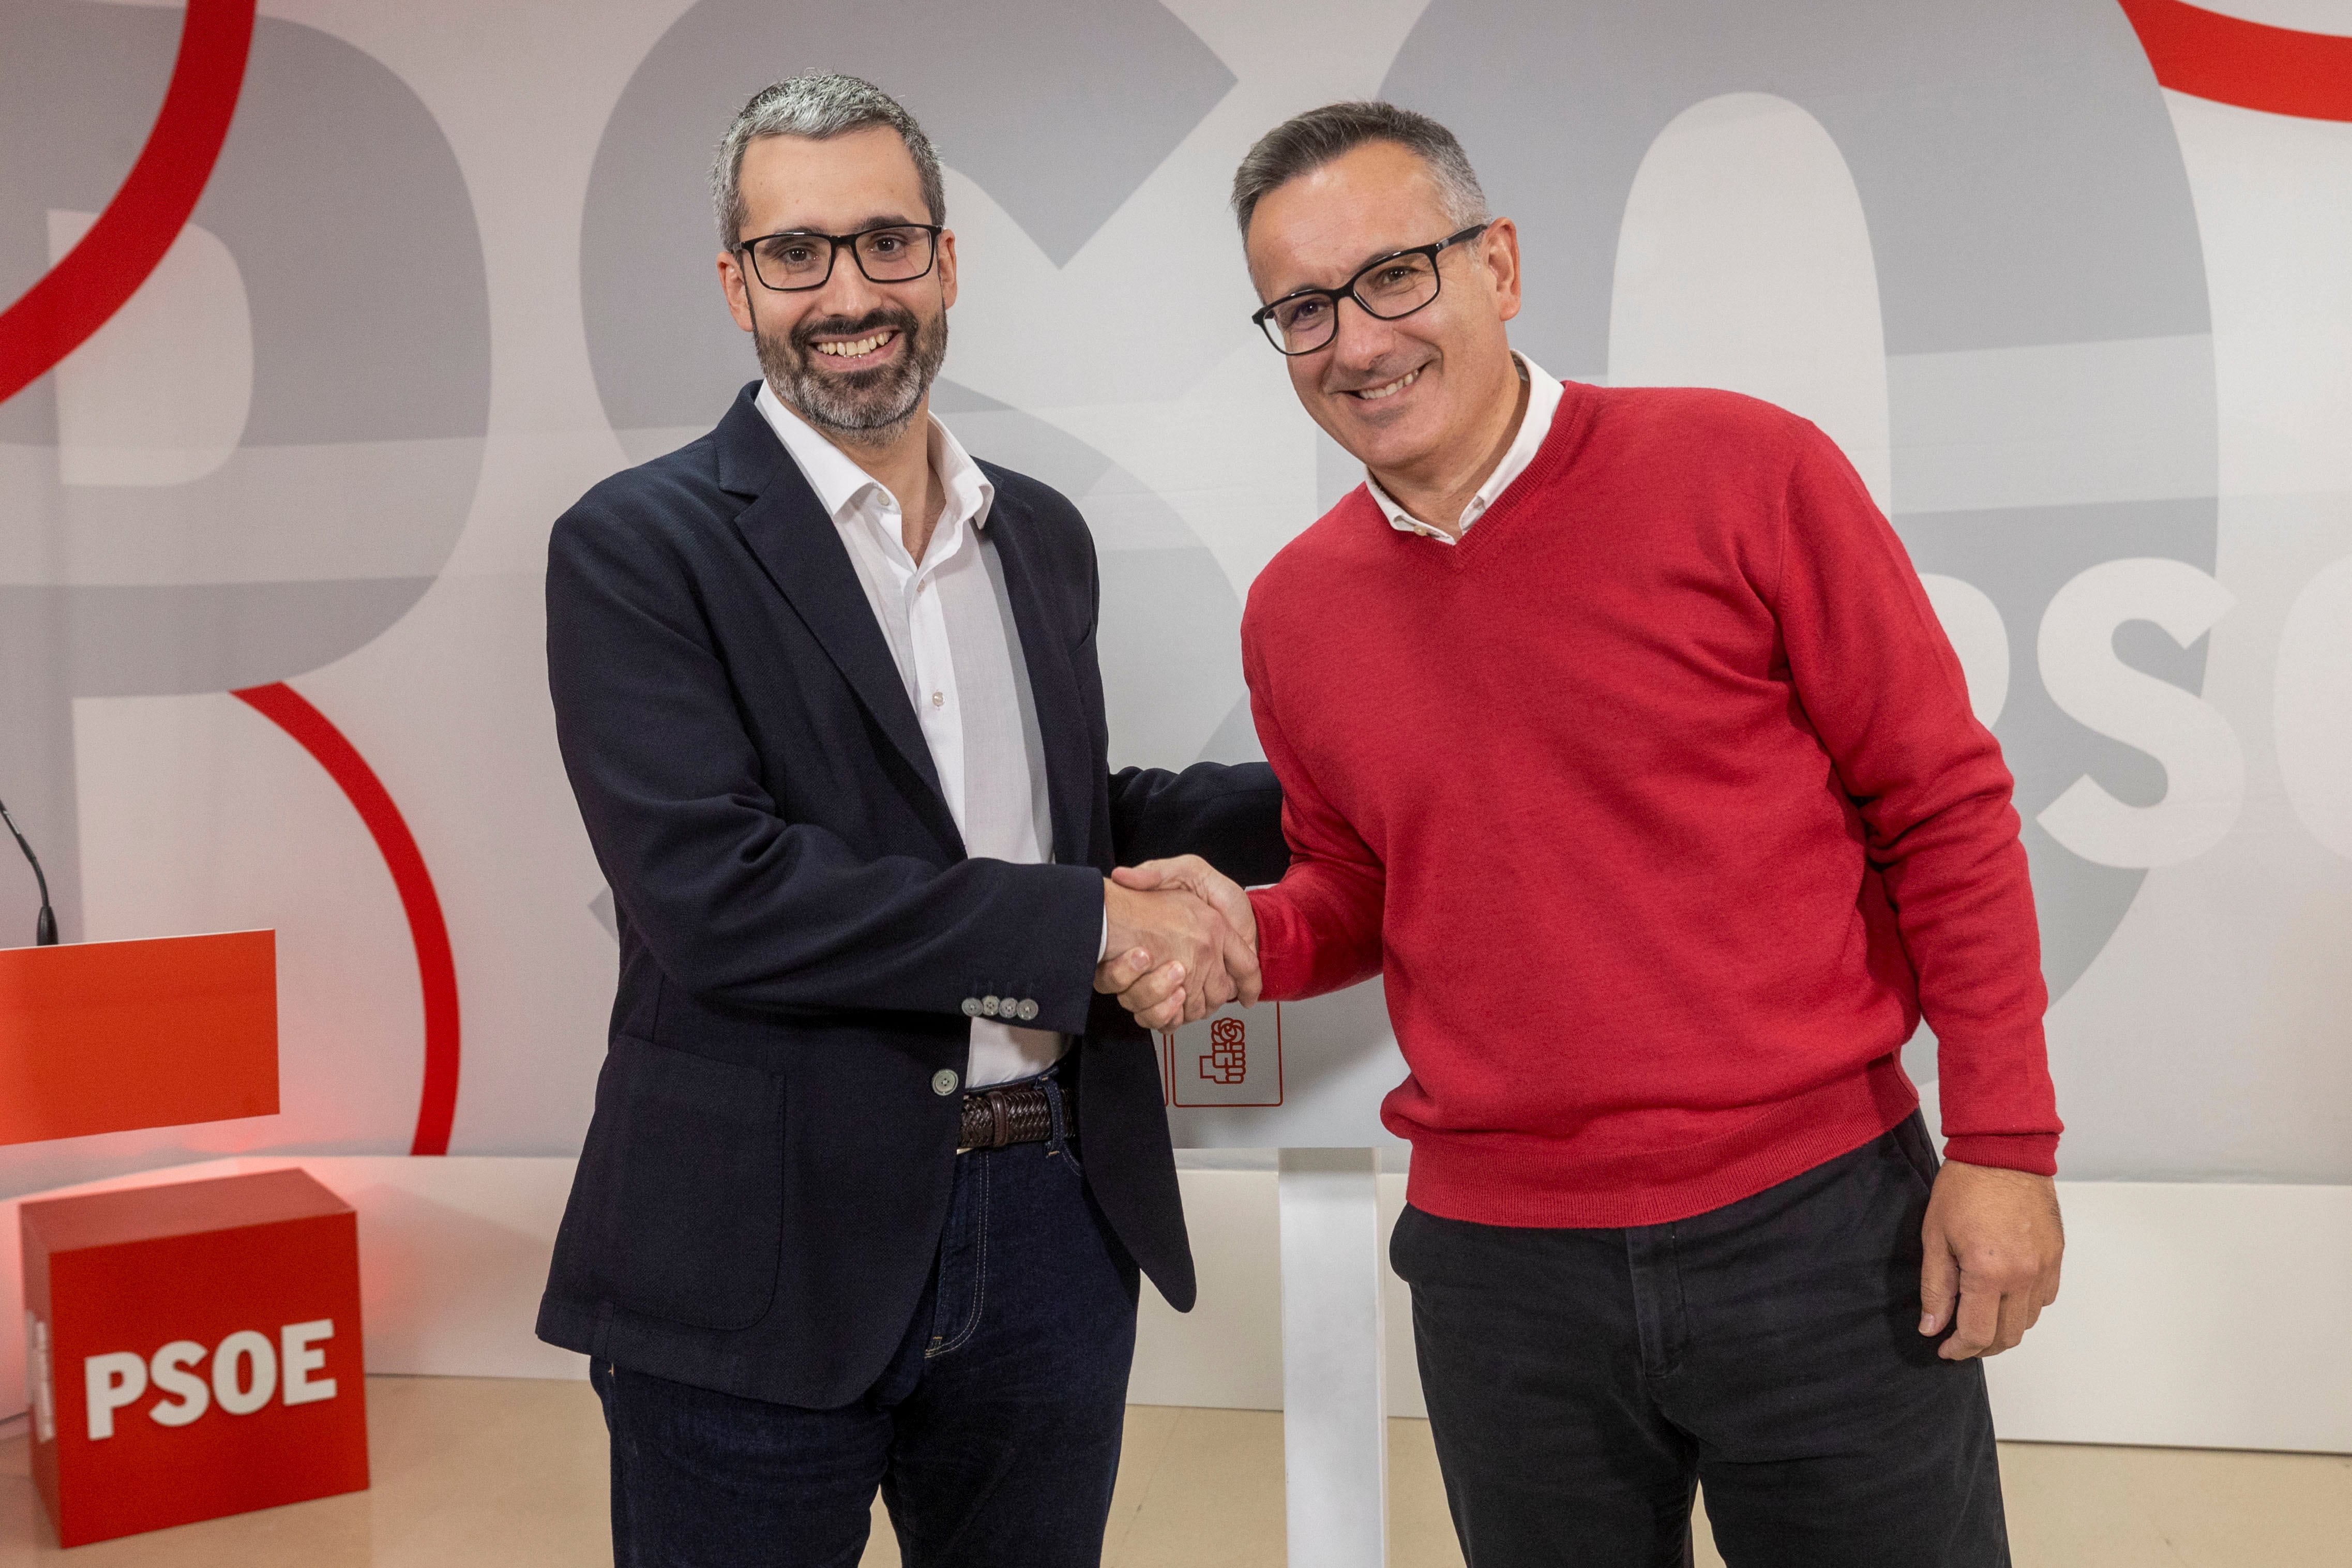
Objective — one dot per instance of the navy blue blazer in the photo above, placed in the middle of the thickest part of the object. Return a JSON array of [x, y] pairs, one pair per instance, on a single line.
[[766, 1176]]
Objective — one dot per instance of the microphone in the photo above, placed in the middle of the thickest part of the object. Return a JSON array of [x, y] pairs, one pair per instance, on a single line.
[[45, 929]]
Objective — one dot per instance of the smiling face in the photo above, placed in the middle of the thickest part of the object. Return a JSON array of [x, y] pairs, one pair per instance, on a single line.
[[855, 358], [1414, 395]]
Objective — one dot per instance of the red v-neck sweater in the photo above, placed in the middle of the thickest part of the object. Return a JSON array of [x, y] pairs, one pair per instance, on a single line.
[[1658, 804]]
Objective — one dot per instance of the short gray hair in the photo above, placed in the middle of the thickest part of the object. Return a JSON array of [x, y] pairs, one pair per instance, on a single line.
[[1305, 143], [819, 105]]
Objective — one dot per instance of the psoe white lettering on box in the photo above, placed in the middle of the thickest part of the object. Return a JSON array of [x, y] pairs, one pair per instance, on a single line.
[[110, 1382], [247, 1370], [298, 1360]]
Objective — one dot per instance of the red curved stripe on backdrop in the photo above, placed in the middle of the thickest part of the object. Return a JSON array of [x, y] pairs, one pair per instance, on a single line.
[[437, 969], [2249, 64], [98, 276]]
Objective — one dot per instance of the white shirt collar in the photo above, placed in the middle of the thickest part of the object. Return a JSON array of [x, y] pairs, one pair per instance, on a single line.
[[1544, 395], [841, 486]]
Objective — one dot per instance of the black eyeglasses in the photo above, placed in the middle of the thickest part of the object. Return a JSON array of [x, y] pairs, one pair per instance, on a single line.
[[890, 253], [1394, 285]]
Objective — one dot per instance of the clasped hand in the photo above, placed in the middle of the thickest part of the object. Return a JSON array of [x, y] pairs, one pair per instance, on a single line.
[[1183, 942]]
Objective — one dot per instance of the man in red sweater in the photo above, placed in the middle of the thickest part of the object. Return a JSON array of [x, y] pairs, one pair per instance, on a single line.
[[1616, 733]]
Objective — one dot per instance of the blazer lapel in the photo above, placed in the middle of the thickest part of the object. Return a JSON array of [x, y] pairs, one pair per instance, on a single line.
[[801, 548], [1061, 715]]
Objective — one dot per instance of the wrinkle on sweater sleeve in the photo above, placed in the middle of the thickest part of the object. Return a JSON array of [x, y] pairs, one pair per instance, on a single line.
[[1319, 930], [1884, 690]]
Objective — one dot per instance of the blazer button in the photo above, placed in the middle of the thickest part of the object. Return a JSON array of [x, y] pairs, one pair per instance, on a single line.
[[944, 1082], [989, 1006], [1028, 1009], [972, 1007]]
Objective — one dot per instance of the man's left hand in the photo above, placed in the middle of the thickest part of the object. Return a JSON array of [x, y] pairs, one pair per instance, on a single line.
[[1994, 1246]]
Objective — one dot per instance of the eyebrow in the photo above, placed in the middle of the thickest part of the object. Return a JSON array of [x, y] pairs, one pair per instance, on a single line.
[[890, 220]]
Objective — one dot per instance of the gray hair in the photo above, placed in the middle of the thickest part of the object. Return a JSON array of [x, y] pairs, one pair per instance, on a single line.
[[1305, 143], [819, 105]]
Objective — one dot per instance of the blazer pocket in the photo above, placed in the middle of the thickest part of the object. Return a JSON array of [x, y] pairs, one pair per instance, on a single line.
[[684, 1187]]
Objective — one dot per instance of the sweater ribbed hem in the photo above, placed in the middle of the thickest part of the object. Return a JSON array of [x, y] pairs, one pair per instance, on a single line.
[[1528, 1180]]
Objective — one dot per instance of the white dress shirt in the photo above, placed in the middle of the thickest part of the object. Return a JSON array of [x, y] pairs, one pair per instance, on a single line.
[[952, 632], [1543, 402]]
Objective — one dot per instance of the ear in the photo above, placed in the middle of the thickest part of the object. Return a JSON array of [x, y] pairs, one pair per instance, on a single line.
[[945, 262], [1498, 251], [732, 282]]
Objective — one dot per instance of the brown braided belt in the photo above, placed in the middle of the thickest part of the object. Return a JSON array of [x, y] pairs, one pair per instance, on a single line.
[[1019, 1114]]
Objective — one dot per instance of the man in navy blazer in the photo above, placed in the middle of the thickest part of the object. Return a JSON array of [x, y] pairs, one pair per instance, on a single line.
[[874, 1161]]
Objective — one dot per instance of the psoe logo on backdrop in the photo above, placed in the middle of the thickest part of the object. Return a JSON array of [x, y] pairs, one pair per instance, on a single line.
[[266, 458]]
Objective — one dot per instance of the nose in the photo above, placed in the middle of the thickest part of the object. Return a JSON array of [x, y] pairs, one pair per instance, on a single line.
[[1359, 338], [848, 292]]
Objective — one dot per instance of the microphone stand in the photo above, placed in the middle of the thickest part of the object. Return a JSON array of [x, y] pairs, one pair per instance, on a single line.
[[45, 929]]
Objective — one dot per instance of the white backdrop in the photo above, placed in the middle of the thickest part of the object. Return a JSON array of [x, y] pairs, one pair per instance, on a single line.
[[2089, 340]]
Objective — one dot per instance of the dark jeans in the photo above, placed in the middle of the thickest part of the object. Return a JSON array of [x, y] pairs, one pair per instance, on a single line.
[[1579, 1382], [994, 1435]]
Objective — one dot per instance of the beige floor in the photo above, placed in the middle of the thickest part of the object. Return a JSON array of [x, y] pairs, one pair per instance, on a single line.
[[482, 1474]]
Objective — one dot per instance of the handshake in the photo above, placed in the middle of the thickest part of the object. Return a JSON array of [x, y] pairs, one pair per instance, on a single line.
[[1181, 943]]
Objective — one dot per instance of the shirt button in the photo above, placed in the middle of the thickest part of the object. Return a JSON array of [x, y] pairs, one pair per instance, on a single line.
[[1028, 1009], [988, 1006], [972, 1007], [944, 1082], [938, 699]]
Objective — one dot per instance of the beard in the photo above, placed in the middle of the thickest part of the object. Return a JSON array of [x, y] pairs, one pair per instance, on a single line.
[[866, 407]]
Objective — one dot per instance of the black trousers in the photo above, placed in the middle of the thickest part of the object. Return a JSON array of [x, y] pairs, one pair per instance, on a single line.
[[1581, 1382]]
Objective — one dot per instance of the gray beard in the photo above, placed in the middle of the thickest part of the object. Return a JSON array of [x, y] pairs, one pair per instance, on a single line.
[[864, 407]]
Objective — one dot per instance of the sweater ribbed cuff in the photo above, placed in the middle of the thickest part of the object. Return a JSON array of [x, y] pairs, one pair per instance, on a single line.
[[2035, 1152], [1282, 967]]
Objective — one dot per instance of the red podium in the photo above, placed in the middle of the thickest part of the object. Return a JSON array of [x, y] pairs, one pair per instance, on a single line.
[[108, 1037]]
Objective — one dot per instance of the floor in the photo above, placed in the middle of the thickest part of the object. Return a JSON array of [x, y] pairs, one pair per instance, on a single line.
[[511, 1475]]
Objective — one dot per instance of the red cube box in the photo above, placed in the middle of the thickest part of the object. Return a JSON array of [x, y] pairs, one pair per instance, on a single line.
[[194, 1351]]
